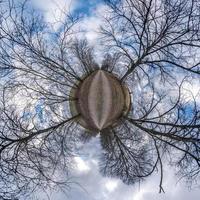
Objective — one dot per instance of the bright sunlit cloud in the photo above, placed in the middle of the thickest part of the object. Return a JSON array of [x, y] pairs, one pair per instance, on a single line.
[[81, 164], [111, 185]]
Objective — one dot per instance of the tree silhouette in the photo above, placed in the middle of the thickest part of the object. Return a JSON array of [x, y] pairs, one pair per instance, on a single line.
[[158, 42], [54, 95]]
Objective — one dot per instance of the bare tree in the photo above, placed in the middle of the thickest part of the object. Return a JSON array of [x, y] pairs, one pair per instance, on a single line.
[[158, 43], [152, 54], [38, 69]]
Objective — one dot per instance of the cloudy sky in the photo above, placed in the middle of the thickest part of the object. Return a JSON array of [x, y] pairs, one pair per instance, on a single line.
[[92, 186]]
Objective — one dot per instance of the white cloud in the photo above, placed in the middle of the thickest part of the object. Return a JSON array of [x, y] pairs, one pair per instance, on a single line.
[[111, 185], [96, 187], [54, 11], [92, 23], [81, 164], [191, 90]]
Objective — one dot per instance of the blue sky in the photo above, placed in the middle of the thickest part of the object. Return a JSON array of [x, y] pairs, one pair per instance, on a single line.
[[93, 185], [86, 7]]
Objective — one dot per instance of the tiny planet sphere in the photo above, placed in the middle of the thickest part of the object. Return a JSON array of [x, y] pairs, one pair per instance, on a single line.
[[101, 100]]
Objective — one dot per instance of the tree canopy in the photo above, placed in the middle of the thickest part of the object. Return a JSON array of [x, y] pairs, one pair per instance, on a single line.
[[151, 46]]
